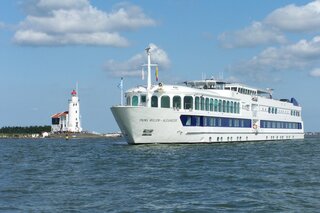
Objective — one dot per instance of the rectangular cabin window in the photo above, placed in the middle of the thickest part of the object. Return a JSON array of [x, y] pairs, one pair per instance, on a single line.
[[212, 121], [205, 121], [188, 122], [198, 121]]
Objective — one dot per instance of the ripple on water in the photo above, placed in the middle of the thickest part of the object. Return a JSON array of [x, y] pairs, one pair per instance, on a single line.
[[98, 175]]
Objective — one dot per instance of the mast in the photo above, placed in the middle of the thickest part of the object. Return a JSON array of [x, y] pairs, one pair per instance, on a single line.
[[149, 77]]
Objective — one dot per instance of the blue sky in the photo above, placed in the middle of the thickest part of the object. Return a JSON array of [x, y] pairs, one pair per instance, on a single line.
[[46, 46]]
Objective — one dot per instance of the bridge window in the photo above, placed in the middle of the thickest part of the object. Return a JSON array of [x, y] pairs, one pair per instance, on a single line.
[[154, 101], [197, 103], [231, 107], [215, 105], [220, 106], [202, 103], [207, 104], [188, 102], [165, 101], [224, 106], [211, 104], [228, 106], [177, 102], [135, 100]]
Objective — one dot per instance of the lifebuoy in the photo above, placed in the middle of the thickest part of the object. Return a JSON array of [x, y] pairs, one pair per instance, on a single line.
[[255, 126]]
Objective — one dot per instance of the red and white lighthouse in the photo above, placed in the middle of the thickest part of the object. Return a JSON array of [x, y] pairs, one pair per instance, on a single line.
[[74, 124]]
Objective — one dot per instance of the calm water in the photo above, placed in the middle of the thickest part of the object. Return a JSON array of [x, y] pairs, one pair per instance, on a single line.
[[99, 175]]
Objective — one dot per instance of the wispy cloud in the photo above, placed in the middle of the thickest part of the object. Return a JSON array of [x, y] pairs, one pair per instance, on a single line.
[[251, 36], [299, 56], [64, 22], [275, 30], [132, 66], [315, 72], [272, 29]]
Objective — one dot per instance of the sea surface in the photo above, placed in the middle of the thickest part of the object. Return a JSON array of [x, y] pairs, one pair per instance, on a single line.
[[102, 175]]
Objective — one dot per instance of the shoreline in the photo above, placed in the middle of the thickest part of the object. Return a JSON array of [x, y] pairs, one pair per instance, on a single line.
[[60, 135]]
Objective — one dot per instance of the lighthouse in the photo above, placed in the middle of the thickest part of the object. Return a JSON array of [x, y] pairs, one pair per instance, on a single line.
[[74, 124]]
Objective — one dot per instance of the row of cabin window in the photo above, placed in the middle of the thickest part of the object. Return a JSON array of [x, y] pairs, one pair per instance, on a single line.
[[280, 125], [295, 113], [201, 103], [274, 110], [217, 105], [242, 90], [192, 120]]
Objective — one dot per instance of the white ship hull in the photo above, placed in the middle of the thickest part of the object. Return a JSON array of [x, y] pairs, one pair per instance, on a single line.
[[205, 111], [143, 125]]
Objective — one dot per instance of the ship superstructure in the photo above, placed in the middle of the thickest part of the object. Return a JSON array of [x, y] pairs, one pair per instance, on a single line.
[[206, 111]]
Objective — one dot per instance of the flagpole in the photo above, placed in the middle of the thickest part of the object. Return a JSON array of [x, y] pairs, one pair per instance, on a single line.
[[121, 91]]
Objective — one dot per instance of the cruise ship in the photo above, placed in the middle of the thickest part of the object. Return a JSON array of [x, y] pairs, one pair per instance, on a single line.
[[205, 111]]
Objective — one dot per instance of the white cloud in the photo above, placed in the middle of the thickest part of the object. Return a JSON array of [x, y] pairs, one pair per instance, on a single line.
[[296, 18], [29, 37], [271, 29], [66, 22], [315, 72], [65, 4], [2, 25], [132, 67], [251, 36], [299, 56]]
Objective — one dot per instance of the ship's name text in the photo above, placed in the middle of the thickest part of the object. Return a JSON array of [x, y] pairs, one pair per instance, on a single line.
[[156, 120]]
